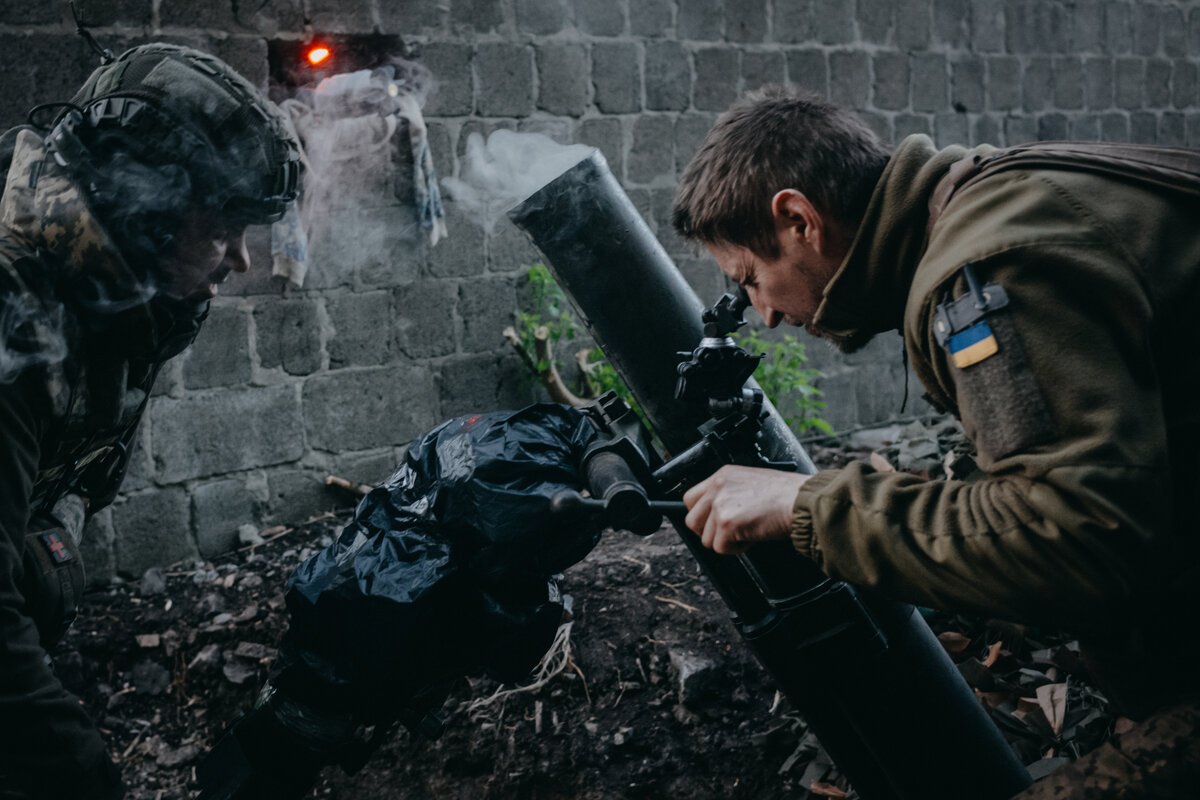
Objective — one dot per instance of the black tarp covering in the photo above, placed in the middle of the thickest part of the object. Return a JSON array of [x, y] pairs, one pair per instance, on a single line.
[[447, 568]]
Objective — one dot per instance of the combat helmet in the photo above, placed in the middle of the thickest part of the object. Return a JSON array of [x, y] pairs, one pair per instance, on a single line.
[[162, 129]]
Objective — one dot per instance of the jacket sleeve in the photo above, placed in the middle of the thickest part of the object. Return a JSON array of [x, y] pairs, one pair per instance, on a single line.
[[48, 745], [1071, 524]]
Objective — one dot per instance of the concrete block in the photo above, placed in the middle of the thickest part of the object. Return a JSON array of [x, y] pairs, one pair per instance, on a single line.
[[300, 495], [1184, 76], [151, 530], [540, 17], [874, 21], [892, 80], [662, 204], [1020, 130], [967, 83], [42, 12], [1086, 128], [1003, 83], [839, 392], [482, 16], [1193, 130], [274, 15], [1068, 82], [139, 468], [557, 129], [461, 253], [746, 20], [361, 409], [484, 128], [617, 77], [951, 128], [668, 77], [650, 18], [988, 129], [913, 21], [97, 550], [562, 79], [1097, 83], [1037, 83], [690, 130], [1146, 31], [795, 22], [1052, 127], [907, 124], [849, 78], [1129, 76], [424, 319], [809, 68], [987, 26], [653, 152], [215, 433], [441, 144], [289, 336], [505, 74], [886, 394], [453, 93], [717, 73], [406, 17], [1172, 129], [880, 124], [370, 468], [510, 250], [702, 20], [96, 13], [220, 356], [702, 274], [1143, 127], [600, 19], [486, 307], [608, 136], [1087, 28], [26, 82], [339, 16], [834, 21], [219, 508], [1034, 26], [1158, 83], [360, 329], [365, 246], [484, 382], [930, 83], [950, 23], [1118, 28], [1114, 127], [1174, 32], [761, 69]]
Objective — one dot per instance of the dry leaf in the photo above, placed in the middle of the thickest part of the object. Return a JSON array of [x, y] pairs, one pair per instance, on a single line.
[[953, 642], [881, 464], [148, 640], [993, 653], [1052, 699], [826, 790]]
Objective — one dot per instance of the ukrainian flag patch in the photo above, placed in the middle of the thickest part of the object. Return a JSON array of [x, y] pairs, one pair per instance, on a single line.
[[972, 345]]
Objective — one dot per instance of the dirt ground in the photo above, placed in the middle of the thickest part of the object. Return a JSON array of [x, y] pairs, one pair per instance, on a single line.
[[659, 697]]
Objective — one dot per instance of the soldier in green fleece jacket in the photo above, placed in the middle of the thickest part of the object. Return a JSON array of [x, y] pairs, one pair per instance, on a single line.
[[1051, 310]]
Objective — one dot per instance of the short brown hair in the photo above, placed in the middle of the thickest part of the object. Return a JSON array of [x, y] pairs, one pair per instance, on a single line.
[[772, 139]]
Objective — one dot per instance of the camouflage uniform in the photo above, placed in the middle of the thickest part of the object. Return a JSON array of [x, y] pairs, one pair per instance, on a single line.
[[1080, 400], [82, 336]]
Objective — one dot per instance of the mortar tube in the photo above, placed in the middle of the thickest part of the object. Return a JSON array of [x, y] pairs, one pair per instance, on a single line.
[[860, 702]]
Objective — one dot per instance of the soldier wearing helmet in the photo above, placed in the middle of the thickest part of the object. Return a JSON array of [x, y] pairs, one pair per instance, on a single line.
[[115, 231]]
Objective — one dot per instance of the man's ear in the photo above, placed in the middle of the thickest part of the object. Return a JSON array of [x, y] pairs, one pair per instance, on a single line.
[[795, 215]]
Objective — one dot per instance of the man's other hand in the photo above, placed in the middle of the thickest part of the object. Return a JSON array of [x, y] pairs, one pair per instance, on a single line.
[[738, 506]]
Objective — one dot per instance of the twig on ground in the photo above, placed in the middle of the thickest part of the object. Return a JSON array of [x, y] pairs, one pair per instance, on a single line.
[[674, 602], [557, 659]]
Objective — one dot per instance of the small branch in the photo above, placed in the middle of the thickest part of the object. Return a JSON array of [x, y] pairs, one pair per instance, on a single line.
[[558, 390], [672, 602], [360, 489]]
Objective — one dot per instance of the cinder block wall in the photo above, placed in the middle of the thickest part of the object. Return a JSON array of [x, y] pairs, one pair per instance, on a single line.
[[280, 390]]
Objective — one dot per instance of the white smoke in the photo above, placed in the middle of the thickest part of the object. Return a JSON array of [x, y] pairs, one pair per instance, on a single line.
[[509, 167], [29, 336]]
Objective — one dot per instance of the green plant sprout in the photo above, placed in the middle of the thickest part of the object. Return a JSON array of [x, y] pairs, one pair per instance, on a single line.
[[782, 375]]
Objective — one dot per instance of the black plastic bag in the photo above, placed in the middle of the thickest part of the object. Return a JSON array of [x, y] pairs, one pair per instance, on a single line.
[[447, 568]]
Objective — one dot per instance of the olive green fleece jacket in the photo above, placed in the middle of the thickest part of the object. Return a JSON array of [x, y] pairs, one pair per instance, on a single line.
[[1087, 420]]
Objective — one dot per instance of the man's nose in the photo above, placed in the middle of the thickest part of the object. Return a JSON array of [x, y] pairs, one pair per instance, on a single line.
[[237, 255]]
